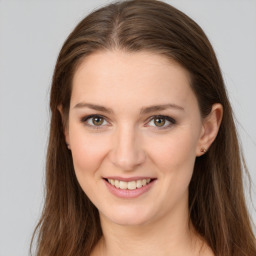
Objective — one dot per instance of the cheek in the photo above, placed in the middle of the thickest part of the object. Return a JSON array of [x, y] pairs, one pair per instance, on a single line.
[[88, 151], [175, 152], [174, 159]]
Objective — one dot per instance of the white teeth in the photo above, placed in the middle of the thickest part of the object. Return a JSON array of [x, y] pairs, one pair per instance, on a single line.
[[131, 185], [123, 185], [139, 184], [117, 183]]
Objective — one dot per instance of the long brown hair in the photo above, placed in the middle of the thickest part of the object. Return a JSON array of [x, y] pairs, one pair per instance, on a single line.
[[70, 222]]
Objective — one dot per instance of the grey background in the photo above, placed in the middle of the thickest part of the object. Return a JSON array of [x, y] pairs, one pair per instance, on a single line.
[[31, 34]]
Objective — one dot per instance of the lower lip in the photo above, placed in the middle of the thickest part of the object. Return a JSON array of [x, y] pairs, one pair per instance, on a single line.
[[126, 193]]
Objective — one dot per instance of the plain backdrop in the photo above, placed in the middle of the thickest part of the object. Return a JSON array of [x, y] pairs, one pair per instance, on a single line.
[[31, 35]]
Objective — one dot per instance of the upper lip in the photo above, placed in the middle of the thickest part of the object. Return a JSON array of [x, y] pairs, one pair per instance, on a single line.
[[128, 179]]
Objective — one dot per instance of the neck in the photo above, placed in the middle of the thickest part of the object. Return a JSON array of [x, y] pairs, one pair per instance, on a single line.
[[146, 240]]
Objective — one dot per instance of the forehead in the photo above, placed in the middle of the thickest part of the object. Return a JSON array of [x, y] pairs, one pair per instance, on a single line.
[[120, 77]]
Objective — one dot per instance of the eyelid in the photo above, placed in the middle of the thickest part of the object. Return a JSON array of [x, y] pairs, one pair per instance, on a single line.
[[85, 119], [168, 118]]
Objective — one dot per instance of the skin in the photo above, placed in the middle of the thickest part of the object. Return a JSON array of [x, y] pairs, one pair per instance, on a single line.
[[128, 143]]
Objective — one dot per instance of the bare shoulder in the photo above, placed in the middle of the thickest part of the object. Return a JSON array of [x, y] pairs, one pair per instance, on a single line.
[[205, 250], [201, 247], [98, 249]]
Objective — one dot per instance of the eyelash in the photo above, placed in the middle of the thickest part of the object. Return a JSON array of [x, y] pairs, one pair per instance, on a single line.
[[85, 119], [166, 118], [171, 121]]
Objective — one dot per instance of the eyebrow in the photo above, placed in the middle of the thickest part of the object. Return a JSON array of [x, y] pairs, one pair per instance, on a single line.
[[150, 109], [94, 106], [143, 111]]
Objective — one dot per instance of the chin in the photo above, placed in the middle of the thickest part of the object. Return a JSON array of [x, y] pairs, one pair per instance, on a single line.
[[128, 216]]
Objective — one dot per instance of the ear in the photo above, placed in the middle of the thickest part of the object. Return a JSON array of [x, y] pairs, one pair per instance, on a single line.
[[210, 128], [65, 126]]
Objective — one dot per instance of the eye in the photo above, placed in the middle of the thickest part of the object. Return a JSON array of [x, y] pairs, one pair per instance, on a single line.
[[161, 121], [96, 121]]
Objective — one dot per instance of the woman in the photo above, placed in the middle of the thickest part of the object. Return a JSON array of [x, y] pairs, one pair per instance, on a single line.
[[143, 157]]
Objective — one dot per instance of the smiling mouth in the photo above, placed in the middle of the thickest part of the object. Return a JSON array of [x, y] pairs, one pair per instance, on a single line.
[[130, 185]]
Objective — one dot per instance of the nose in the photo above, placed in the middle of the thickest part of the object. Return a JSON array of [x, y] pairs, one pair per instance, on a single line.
[[126, 152]]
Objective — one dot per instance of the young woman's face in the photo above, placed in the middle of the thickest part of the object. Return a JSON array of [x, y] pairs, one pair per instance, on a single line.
[[134, 132]]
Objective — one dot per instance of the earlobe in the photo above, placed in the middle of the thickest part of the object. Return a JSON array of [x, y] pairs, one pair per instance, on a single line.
[[211, 125], [65, 126]]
